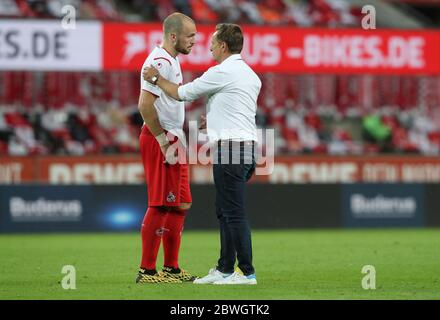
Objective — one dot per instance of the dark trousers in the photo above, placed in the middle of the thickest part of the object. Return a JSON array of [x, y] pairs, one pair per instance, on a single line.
[[236, 165]]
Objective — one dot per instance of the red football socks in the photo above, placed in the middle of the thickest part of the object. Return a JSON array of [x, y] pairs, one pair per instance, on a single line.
[[172, 236], [152, 230]]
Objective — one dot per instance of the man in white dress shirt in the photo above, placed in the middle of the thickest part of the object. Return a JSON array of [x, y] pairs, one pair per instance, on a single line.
[[232, 88]]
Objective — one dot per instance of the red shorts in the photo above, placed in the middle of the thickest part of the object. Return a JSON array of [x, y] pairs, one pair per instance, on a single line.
[[168, 185]]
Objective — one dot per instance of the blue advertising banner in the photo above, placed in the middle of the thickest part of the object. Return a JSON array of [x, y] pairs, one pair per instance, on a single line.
[[119, 208], [43, 208], [36, 208], [383, 205], [76, 208]]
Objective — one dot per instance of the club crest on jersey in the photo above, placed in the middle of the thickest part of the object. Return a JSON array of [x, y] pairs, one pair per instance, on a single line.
[[171, 197]]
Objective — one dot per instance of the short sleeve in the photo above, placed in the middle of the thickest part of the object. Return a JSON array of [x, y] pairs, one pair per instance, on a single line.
[[163, 65]]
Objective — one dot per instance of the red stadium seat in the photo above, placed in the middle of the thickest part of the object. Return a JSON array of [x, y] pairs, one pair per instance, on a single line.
[[319, 149], [370, 148], [3, 147], [434, 137], [342, 135], [269, 14], [62, 134], [401, 142], [25, 10], [313, 120], [202, 12], [390, 121], [14, 119]]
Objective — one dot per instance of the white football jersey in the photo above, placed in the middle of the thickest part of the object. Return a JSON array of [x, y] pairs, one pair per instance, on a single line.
[[171, 112]]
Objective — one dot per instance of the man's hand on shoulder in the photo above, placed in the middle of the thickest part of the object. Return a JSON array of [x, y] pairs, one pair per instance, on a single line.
[[150, 74]]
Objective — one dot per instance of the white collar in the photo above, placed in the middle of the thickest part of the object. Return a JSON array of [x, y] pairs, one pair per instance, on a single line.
[[168, 54], [235, 56]]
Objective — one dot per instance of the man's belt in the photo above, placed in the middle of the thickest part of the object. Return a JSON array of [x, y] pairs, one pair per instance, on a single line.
[[224, 143]]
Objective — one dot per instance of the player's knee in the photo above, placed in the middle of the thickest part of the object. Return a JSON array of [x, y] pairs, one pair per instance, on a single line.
[[185, 206]]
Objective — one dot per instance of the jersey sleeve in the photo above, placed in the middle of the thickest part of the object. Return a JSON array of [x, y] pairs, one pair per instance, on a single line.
[[163, 66]]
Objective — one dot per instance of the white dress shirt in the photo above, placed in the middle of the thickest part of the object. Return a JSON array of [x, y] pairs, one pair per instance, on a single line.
[[232, 88]]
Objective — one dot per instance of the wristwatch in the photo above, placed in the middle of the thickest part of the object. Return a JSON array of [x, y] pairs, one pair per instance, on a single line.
[[154, 79]]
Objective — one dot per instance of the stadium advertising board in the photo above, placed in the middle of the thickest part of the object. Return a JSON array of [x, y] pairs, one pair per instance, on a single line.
[[432, 195], [97, 46], [37, 208], [72, 170], [383, 205], [369, 169], [287, 170], [43, 208], [271, 49], [17, 170], [92, 170], [45, 45], [299, 170]]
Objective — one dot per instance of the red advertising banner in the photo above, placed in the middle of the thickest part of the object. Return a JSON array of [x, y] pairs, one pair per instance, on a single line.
[[297, 169], [91, 170], [16, 170], [293, 50], [371, 169]]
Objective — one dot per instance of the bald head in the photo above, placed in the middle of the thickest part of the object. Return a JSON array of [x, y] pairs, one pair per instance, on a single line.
[[174, 23], [179, 33]]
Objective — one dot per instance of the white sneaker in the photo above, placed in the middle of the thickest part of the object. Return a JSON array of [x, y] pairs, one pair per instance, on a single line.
[[238, 278], [213, 276]]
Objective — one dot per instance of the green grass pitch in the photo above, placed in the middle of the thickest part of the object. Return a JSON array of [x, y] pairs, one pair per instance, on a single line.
[[290, 264]]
